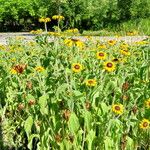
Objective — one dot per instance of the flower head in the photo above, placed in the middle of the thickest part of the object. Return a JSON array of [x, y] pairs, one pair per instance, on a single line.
[[76, 67], [109, 66], [144, 124], [91, 82], [125, 52], [102, 46], [147, 103], [44, 20], [58, 17], [101, 55], [39, 69], [117, 108], [19, 68], [111, 42], [13, 71]]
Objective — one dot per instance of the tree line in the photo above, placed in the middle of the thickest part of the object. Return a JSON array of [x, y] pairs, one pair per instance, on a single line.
[[18, 15]]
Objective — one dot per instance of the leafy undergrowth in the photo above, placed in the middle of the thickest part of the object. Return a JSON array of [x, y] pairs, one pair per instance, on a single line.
[[70, 95]]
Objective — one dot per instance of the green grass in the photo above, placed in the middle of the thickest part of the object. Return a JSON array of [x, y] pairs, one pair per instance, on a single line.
[[141, 26]]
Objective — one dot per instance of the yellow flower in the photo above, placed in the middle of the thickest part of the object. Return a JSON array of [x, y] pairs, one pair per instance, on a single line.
[[109, 66], [101, 55], [132, 33], [76, 67], [75, 30], [124, 46], [116, 60], [91, 82], [102, 46], [39, 69], [44, 20], [147, 103], [2, 47], [58, 17], [144, 124], [111, 42], [13, 71], [39, 31], [79, 44], [68, 42], [117, 108], [125, 52]]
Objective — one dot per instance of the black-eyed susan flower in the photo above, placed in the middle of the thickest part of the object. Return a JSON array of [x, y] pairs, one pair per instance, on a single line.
[[39, 69], [91, 82], [101, 55], [13, 71], [144, 124], [77, 67], [124, 46], [112, 42], [19, 68], [79, 44], [102, 46], [117, 108], [147, 103], [125, 52], [109, 66], [115, 60]]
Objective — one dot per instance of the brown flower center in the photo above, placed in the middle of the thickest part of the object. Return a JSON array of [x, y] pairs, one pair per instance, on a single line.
[[101, 54], [117, 108], [125, 50], [90, 82], [145, 124], [109, 65], [77, 67], [115, 59]]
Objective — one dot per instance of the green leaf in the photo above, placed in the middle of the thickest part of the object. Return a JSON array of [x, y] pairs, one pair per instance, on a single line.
[[87, 120], [108, 143], [73, 123], [104, 107], [90, 137], [43, 104], [28, 125], [31, 139], [130, 143]]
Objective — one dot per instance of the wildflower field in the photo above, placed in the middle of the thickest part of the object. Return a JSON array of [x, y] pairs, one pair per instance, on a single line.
[[69, 94]]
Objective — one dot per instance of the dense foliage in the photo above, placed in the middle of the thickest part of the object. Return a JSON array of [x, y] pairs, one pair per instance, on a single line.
[[83, 14], [68, 94]]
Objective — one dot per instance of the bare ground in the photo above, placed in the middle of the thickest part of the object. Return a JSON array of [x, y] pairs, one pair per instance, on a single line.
[[29, 37]]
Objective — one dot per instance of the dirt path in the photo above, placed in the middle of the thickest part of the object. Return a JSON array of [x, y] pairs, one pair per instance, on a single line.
[[28, 37]]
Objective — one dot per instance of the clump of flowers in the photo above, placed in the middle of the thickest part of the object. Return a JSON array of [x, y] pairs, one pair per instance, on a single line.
[[45, 20], [90, 82], [77, 67], [74, 42], [144, 124], [109, 66], [117, 108], [39, 31], [58, 17], [132, 33], [75, 30]]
